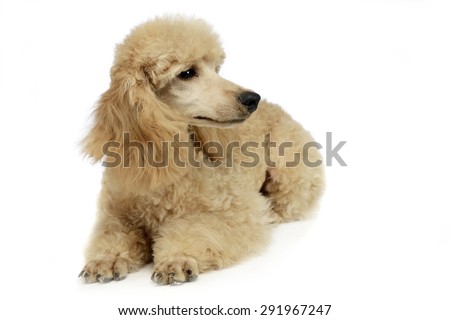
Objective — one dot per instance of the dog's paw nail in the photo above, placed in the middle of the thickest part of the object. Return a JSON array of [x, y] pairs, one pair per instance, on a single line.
[[103, 279], [118, 277], [192, 277], [86, 275], [157, 277], [174, 282], [81, 273]]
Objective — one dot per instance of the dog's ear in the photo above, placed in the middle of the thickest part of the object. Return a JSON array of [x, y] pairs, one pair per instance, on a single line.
[[130, 112], [107, 120], [131, 107]]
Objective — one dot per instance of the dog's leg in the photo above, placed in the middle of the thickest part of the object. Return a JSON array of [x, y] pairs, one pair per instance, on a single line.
[[115, 250], [293, 192], [296, 181], [185, 247]]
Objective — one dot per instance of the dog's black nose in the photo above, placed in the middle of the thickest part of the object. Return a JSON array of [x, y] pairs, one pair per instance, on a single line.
[[250, 100]]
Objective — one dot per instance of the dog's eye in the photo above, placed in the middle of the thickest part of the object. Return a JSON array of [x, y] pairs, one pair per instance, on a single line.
[[187, 74]]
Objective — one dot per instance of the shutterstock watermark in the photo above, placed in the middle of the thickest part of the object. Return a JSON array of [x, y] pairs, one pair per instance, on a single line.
[[184, 153]]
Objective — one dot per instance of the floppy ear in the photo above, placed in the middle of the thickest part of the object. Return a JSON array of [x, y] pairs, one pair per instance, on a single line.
[[107, 121], [130, 112], [130, 106]]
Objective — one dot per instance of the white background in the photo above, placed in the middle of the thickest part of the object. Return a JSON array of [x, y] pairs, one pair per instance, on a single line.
[[375, 73]]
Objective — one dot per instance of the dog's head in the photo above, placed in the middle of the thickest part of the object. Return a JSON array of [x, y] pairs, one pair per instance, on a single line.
[[164, 78], [180, 59]]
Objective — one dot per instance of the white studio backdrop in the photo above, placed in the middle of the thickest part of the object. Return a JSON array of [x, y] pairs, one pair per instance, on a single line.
[[374, 73]]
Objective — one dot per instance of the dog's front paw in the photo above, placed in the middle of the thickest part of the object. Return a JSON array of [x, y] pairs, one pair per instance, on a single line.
[[175, 270], [104, 270]]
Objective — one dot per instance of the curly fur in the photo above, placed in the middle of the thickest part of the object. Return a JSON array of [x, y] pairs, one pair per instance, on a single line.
[[187, 220]]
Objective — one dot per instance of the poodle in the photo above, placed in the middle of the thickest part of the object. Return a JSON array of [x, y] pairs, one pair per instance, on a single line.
[[197, 168]]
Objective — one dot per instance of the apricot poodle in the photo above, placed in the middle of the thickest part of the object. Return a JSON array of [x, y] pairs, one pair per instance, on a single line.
[[197, 168]]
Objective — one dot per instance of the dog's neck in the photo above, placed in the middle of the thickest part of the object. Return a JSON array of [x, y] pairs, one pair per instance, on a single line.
[[202, 135]]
